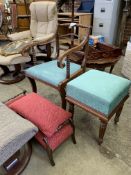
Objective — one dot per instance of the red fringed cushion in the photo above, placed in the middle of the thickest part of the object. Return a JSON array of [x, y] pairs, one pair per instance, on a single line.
[[40, 111]]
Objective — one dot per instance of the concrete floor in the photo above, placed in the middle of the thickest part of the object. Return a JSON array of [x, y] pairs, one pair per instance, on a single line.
[[86, 157]]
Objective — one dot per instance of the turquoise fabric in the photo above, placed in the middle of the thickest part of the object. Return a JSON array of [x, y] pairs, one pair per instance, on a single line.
[[99, 90], [50, 72]]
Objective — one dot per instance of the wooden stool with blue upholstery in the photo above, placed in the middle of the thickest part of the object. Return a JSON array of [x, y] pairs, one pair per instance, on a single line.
[[100, 93]]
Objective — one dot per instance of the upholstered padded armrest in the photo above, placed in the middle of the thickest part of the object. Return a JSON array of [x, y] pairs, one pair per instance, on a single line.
[[19, 35], [44, 39], [14, 132]]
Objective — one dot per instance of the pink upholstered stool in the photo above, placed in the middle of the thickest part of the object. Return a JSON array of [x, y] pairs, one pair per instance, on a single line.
[[55, 124]]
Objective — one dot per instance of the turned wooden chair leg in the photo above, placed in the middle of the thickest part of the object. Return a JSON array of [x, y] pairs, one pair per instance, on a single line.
[[111, 69], [49, 152], [33, 84], [73, 135], [102, 130], [34, 60], [48, 48], [63, 95], [71, 108], [118, 113], [17, 69], [50, 155]]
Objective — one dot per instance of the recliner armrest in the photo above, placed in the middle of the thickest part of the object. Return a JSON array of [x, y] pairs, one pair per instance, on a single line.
[[45, 39], [19, 35]]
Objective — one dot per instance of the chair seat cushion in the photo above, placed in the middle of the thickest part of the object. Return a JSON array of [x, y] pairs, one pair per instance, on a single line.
[[14, 132], [49, 72], [57, 138], [40, 111], [99, 90]]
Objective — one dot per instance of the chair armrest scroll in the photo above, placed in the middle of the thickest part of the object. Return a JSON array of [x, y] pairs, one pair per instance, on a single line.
[[67, 53]]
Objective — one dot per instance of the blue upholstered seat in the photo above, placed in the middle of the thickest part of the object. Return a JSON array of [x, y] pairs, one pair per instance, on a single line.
[[49, 72], [99, 90]]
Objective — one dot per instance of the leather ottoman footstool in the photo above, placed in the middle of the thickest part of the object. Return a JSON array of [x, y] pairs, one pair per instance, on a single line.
[[55, 124]]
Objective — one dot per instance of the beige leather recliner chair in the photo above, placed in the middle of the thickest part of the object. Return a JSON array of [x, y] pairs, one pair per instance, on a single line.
[[43, 29]]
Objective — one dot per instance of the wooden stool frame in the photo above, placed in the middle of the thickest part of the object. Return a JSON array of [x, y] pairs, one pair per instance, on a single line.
[[49, 150], [102, 117]]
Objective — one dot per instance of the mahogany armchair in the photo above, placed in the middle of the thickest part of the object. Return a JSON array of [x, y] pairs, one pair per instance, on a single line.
[[58, 73]]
